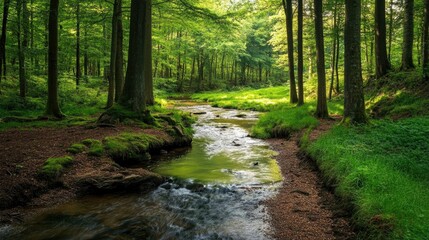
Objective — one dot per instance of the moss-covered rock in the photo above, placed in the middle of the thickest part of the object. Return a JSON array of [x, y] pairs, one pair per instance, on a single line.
[[54, 167], [131, 148], [76, 148]]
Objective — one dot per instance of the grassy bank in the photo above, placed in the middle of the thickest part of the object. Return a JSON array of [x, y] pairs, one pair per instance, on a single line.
[[380, 169], [280, 118]]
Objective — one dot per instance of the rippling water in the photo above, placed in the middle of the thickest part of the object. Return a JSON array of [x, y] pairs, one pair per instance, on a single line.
[[215, 192]]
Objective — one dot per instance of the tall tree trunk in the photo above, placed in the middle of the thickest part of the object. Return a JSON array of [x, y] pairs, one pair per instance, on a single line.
[[322, 105], [147, 67], [382, 63], [354, 104], [133, 95], [23, 33], [85, 55], [52, 108], [425, 44], [78, 72], [390, 29], [287, 5], [119, 78], [408, 37], [300, 54], [113, 53], [6, 4], [334, 50]]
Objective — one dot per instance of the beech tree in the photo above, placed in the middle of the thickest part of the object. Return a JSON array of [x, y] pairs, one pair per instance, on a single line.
[[426, 41], [322, 106], [287, 6], [382, 62], [408, 38], [139, 57], [354, 103], [53, 108], [6, 4], [300, 54]]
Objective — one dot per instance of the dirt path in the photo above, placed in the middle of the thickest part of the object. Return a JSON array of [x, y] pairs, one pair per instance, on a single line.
[[304, 208]]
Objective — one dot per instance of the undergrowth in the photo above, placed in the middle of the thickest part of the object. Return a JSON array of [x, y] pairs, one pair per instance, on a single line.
[[382, 170]]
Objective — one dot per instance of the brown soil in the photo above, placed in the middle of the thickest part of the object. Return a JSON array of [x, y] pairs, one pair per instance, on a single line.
[[303, 207], [23, 152]]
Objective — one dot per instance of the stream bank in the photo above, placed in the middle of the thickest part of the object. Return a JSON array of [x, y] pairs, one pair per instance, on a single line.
[[25, 192], [304, 208]]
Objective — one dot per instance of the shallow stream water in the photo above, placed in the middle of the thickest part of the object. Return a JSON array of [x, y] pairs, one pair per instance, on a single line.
[[215, 191]]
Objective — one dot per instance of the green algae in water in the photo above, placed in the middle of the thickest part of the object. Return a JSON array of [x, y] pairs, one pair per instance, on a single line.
[[225, 167]]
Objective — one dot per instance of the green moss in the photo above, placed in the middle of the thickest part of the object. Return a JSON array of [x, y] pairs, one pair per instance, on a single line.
[[96, 149], [76, 148], [131, 147], [54, 167]]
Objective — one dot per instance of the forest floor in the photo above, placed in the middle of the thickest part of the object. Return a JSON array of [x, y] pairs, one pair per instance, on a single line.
[[24, 151], [304, 208]]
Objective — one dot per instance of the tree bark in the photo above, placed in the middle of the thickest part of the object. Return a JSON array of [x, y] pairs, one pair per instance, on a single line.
[[133, 96], [300, 54], [119, 78], [113, 55], [322, 106], [287, 5], [382, 63], [53, 108], [425, 44], [23, 30], [6, 4], [147, 66], [408, 38], [354, 104], [78, 71], [334, 51]]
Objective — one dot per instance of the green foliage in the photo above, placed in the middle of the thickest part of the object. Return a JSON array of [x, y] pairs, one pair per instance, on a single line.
[[54, 167], [382, 169], [76, 148], [283, 122]]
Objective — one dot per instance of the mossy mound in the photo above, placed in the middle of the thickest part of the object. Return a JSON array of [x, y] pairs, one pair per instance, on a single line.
[[76, 148], [131, 148], [54, 167], [120, 114]]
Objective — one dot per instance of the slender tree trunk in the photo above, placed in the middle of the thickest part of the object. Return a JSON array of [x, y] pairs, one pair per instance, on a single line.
[[113, 55], [300, 54], [85, 55], [334, 51], [390, 29], [408, 37], [354, 104], [287, 5], [52, 108], [322, 106], [23, 27], [78, 72], [6, 4], [425, 43], [382, 63], [147, 67], [191, 78], [119, 63]]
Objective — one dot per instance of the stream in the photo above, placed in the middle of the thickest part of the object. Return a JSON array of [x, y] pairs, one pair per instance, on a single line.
[[215, 191]]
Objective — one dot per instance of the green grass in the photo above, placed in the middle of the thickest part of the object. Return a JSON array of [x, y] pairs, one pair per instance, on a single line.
[[54, 167], [281, 118], [383, 170]]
